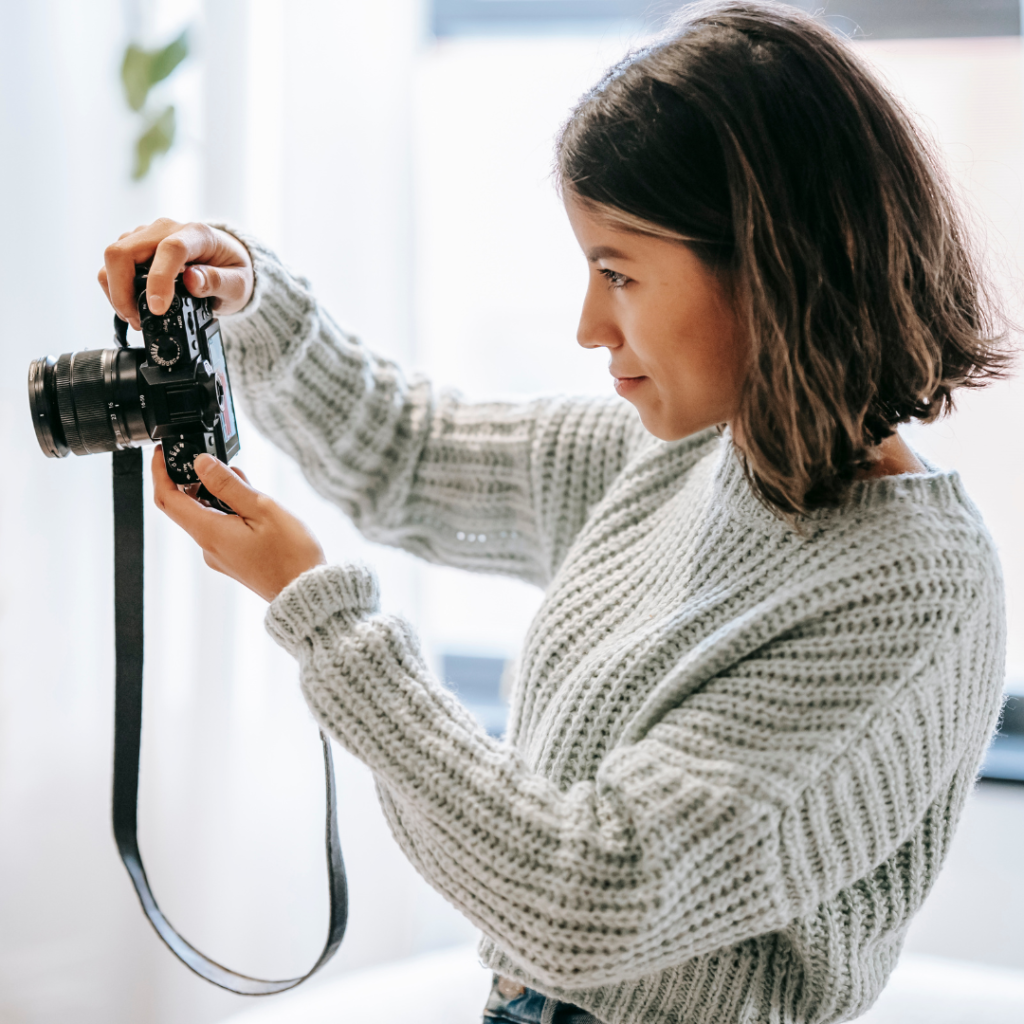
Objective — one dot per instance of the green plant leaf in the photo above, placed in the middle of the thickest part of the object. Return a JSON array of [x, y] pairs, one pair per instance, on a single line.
[[135, 76], [142, 69], [166, 60], [157, 138]]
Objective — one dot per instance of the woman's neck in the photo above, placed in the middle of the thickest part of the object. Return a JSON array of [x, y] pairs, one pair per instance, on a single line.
[[894, 458]]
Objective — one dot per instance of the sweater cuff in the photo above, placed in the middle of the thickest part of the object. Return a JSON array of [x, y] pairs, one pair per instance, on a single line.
[[259, 336], [319, 597]]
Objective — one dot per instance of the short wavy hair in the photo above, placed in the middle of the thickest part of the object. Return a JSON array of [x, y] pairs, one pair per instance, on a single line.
[[756, 136]]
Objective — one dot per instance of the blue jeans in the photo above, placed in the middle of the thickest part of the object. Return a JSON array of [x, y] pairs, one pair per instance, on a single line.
[[510, 1003]]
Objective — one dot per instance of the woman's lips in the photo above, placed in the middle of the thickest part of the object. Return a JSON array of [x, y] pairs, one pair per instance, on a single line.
[[627, 385]]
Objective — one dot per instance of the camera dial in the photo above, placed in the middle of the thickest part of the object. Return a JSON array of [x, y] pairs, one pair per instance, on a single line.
[[164, 351], [179, 457]]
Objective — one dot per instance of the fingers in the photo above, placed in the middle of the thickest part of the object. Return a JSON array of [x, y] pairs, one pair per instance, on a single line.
[[102, 278], [224, 270], [119, 259], [229, 287], [229, 486], [264, 547], [192, 243], [202, 524], [117, 278]]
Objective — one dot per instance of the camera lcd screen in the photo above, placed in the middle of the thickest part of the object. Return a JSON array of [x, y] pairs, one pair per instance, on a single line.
[[220, 366]]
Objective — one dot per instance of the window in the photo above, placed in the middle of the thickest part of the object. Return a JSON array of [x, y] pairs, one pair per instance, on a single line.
[[477, 680], [875, 19]]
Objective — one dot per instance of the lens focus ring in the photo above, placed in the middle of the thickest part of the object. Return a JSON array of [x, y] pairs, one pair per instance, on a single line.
[[66, 404], [91, 401], [81, 401]]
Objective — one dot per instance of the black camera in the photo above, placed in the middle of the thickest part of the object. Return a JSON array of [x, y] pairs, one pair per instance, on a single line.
[[175, 389]]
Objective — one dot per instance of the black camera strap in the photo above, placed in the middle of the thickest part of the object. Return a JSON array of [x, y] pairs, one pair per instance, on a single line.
[[128, 617]]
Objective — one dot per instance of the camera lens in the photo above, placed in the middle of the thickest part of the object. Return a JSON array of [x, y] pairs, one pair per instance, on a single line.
[[86, 402], [42, 399]]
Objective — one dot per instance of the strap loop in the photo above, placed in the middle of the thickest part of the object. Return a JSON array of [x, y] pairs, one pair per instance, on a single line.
[[128, 640]]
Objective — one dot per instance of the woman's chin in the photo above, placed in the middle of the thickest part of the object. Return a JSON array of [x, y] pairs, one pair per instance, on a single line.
[[656, 425], [667, 429]]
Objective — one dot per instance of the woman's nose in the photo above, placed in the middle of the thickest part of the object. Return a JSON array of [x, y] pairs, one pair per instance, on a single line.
[[597, 329]]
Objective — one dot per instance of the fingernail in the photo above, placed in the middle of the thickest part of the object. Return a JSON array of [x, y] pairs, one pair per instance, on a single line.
[[199, 279], [203, 455]]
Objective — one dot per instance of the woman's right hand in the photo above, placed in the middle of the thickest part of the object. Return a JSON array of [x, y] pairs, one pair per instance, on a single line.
[[215, 264]]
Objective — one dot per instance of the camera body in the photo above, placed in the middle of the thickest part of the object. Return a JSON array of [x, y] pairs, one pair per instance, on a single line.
[[174, 389]]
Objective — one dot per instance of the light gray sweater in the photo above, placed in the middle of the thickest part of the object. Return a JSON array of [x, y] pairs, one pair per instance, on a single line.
[[737, 752]]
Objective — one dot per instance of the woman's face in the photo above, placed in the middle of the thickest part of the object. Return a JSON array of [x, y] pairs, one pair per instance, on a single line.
[[674, 343]]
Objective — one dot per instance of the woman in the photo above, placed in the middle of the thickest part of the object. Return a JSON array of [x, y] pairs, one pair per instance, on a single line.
[[770, 653]]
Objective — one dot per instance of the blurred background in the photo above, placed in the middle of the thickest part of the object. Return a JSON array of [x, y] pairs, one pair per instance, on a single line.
[[398, 153]]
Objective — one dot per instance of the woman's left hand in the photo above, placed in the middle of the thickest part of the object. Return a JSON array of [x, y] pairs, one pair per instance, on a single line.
[[263, 546]]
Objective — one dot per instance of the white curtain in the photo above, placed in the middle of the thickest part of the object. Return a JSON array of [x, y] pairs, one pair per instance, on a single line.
[[299, 128]]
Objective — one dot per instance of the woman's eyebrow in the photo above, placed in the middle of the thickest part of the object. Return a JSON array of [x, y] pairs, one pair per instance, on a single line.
[[605, 252]]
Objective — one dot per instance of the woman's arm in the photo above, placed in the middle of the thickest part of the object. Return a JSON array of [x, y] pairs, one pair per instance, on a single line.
[[781, 781], [494, 487]]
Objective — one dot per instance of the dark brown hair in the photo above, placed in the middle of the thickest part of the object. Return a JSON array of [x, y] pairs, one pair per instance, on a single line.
[[756, 135]]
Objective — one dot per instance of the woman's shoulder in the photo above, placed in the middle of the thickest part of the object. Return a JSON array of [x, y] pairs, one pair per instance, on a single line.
[[926, 511], [900, 527], [921, 540], [922, 509]]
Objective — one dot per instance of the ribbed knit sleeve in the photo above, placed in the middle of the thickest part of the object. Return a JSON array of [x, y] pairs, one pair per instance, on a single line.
[[767, 768], [493, 487]]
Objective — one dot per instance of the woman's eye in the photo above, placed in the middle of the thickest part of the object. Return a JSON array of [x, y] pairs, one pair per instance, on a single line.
[[614, 279]]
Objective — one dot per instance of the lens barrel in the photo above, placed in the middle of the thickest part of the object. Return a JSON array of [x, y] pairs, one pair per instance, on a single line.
[[86, 402], [42, 400]]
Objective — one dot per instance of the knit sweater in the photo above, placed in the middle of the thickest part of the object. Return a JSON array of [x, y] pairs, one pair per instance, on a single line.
[[737, 750]]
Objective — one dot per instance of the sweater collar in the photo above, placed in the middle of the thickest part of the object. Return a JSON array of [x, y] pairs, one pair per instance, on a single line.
[[935, 487]]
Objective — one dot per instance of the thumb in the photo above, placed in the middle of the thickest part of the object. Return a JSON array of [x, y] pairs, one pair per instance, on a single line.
[[229, 287], [222, 483]]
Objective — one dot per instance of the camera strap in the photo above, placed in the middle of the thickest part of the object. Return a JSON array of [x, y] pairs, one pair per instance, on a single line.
[[128, 618]]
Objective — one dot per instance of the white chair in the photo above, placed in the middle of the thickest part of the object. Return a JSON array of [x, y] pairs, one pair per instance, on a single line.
[[451, 987]]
